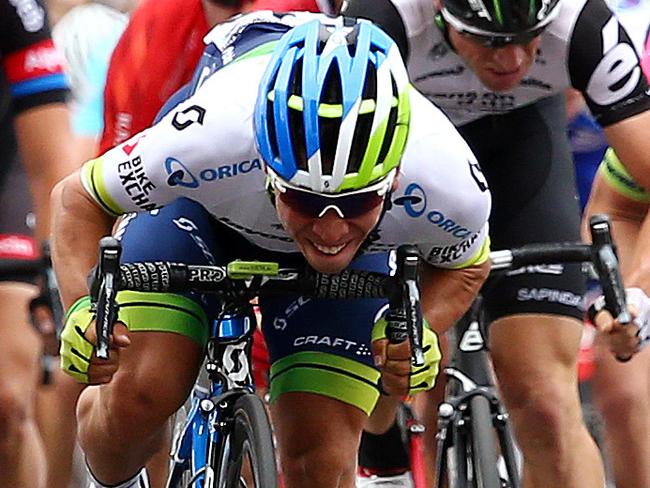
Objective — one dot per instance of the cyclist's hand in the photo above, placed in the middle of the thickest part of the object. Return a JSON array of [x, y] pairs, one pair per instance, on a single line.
[[624, 340], [78, 339], [398, 376], [43, 322]]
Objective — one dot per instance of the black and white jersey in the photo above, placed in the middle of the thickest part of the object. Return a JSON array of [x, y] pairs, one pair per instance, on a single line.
[[584, 47]]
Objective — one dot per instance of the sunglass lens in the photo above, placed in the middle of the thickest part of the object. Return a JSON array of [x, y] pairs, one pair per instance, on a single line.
[[312, 205], [356, 205]]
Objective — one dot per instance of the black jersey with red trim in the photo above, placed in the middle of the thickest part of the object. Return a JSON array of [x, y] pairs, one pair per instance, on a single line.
[[584, 47], [32, 69]]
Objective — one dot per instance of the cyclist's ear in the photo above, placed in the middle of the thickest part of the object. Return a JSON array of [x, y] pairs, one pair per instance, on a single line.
[[395, 182]]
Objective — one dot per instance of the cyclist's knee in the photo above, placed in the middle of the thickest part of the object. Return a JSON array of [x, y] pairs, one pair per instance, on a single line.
[[15, 412], [321, 466], [132, 410], [545, 413], [622, 404]]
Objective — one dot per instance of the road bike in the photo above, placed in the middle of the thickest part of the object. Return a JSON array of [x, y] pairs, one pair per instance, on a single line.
[[474, 442], [226, 440]]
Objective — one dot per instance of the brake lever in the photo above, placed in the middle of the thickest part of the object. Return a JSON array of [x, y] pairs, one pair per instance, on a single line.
[[105, 305], [405, 310], [607, 267]]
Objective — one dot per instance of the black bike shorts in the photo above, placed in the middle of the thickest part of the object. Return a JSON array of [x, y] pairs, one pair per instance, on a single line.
[[526, 159]]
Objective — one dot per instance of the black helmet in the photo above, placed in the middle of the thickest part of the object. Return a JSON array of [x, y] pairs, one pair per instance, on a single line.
[[500, 17]]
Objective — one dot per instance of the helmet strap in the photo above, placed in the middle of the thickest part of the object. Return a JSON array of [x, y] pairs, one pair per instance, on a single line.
[[441, 23]]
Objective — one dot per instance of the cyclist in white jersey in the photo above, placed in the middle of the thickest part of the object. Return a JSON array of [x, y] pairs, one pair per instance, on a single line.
[[303, 144], [498, 70], [620, 389]]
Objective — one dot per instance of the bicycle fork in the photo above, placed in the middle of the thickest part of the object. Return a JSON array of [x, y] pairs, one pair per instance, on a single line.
[[453, 431]]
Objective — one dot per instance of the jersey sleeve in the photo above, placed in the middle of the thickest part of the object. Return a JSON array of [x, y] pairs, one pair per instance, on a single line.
[[32, 66], [167, 160], [604, 65], [617, 176], [444, 196]]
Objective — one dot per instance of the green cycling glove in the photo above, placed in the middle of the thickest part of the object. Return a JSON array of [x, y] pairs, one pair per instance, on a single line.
[[76, 351], [422, 378]]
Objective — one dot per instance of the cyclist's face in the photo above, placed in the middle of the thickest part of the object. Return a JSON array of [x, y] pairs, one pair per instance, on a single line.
[[499, 69], [329, 243]]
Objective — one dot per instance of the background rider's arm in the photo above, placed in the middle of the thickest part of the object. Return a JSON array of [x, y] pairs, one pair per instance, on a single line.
[[448, 293], [78, 223], [45, 145], [630, 140], [631, 227]]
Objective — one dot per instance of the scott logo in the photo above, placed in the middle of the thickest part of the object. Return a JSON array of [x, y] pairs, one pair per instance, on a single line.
[[180, 175], [191, 115]]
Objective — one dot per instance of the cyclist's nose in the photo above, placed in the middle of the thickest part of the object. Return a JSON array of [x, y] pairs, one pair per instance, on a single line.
[[330, 228], [509, 58]]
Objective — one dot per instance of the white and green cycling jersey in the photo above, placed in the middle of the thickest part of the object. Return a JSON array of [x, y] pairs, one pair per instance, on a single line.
[[204, 149]]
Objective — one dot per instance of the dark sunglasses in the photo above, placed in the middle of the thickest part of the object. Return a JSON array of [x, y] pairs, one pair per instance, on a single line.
[[502, 40], [347, 206]]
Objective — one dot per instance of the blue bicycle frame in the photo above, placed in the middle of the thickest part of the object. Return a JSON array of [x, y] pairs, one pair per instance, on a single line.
[[203, 438]]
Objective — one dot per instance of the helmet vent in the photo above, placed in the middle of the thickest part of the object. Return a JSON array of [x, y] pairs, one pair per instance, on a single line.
[[364, 122], [390, 128], [270, 123], [329, 128]]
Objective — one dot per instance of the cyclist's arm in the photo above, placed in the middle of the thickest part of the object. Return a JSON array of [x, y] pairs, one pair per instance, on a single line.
[[605, 67], [77, 225], [629, 138], [45, 145], [631, 227], [448, 293], [32, 71]]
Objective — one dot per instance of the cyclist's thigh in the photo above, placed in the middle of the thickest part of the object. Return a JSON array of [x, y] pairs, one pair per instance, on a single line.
[[528, 150], [166, 325], [536, 310], [325, 428], [323, 346], [184, 232]]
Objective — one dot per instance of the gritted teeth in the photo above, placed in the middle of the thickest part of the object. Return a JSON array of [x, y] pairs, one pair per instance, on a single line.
[[329, 249]]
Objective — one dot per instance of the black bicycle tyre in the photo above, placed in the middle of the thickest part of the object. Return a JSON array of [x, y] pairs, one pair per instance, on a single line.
[[483, 444], [457, 473], [251, 433]]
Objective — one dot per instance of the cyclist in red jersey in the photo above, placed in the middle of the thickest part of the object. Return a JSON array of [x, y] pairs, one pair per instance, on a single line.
[[172, 31]]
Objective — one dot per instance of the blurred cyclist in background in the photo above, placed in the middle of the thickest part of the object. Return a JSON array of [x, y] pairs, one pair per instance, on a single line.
[[87, 36], [34, 131], [621, 391], [158, 52]]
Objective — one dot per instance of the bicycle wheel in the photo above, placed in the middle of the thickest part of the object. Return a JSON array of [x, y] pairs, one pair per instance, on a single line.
[[250, 462], [483, 444]]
